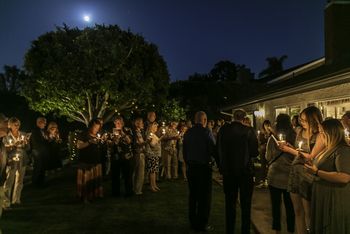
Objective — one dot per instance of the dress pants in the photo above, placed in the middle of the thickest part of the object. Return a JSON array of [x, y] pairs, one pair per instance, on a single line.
[[276, 198], [171, 164], [200, 189], [14, 180], [232, 185], [39, 168], [125, 168], [139, 173]]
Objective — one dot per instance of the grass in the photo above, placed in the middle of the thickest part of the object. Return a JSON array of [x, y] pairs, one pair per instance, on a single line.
[[56, 210]]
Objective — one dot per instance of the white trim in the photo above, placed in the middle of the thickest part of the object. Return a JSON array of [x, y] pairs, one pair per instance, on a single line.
[[299, 70]]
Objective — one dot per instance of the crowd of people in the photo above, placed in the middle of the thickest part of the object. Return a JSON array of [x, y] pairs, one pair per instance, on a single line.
[[305, 160], [308, 164]]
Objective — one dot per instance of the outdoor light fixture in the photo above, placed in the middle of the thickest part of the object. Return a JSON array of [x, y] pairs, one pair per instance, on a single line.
[[259, 114]]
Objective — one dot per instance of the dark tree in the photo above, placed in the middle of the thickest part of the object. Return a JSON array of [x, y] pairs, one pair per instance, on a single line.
[[275, 65], [95, 72], [10, 80]]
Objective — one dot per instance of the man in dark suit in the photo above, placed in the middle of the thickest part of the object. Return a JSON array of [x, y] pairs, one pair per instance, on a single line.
[[39, 147], [198, 149], [237, 144]]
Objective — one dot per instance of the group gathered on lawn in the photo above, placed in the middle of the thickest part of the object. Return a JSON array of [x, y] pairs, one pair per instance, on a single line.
[[305, 161]]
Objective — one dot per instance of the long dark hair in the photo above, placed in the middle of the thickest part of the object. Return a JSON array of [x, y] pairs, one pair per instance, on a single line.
[[284, 126]]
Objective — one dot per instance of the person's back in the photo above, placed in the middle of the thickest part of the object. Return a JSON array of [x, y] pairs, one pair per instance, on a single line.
[[198, 145], [237, 144]]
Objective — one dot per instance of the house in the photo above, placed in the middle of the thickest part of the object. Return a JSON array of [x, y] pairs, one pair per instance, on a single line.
[[323, 82]]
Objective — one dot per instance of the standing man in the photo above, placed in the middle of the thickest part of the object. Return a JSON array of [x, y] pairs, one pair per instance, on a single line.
[[237, 144], [39, 146], [198, 149]]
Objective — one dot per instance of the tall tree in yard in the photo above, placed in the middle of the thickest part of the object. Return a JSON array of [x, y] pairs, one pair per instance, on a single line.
[[94, 72]]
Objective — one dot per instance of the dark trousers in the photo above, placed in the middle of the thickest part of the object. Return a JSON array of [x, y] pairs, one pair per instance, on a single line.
[[200, 185], [232, 185], [39, 168], [125, 168], [276, 198]]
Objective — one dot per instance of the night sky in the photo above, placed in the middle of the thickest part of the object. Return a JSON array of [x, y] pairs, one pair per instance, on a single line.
[[192, 35]]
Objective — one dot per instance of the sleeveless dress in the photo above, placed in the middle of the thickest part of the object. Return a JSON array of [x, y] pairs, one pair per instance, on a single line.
[[300, 182]]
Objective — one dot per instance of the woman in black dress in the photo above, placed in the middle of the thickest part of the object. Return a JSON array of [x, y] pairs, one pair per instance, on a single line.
[[89, 178], [55, 147]]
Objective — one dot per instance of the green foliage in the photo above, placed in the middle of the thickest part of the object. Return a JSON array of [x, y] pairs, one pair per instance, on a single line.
[[173, 111], [95, 72]]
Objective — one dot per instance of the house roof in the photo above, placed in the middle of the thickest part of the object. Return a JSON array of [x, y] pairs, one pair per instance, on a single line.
[[319, 77]]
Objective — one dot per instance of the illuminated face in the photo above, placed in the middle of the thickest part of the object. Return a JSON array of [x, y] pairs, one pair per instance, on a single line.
[[95, 129], [41, 124], [151, 117], [139, 123], [53, 130], [303, 121], [118, 123], [154, 128], [14, 127]]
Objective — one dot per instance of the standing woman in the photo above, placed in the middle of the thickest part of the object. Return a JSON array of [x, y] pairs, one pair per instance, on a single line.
[[308, 144], [16, 144], [55, 147], [331, 189], [278, 174], [263, 136], [153, 154], [120, 150], [89, 176]]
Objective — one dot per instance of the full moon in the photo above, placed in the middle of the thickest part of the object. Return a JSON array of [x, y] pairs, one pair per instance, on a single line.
[[87, 18]]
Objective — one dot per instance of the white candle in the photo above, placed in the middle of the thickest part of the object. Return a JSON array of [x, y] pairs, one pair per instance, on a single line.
[[98, 135], [163, 131], [258, 132], [10, 141], [281, 138], [300, 144]]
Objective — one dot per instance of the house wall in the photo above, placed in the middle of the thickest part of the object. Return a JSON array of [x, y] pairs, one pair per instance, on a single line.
[[333, 102]]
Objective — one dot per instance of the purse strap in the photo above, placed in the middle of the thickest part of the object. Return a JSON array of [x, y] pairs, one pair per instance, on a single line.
[[275, 159]]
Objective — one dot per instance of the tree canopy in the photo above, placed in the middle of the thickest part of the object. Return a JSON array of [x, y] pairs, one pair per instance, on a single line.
[[10, 80], [94, 72], [275, 65]]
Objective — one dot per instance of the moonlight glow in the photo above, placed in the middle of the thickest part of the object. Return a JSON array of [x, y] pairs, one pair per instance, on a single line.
[[86, 18]]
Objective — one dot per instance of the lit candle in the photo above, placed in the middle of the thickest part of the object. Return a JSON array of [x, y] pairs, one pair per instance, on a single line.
[[98, 135], [163, 131], [281, 137], [151, 134], [10, 141], [163, 124], [258, 132], [22, 138], [300, 144]]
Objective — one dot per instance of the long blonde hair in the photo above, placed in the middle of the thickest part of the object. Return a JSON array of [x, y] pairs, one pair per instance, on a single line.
[[334, 134]]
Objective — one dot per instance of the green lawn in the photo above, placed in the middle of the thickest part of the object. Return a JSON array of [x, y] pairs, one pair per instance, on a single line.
[[56, 210]]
